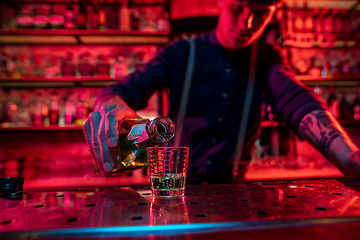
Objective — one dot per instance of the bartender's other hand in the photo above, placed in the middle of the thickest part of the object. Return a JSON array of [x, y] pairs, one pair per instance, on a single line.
[[101, 129]]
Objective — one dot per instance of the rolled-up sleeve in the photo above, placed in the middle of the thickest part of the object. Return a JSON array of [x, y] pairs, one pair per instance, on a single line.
[[136, 88], [289, 98]]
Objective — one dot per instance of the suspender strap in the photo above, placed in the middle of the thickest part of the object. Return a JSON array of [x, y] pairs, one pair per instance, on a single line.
[[185, 93], [246, 110]]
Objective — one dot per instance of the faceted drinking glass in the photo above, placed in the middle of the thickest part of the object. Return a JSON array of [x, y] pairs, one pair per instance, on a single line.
[[167, 168]]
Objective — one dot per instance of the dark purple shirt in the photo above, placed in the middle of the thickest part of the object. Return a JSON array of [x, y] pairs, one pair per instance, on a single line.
[[216, 99]]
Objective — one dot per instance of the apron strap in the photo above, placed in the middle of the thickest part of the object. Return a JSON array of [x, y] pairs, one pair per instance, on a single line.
[[185, 93], [246, 110]]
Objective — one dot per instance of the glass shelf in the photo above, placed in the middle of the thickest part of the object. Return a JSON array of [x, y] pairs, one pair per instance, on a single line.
[[345, 81], [57, 81], [77, 36], [321, 40], [40, 127]]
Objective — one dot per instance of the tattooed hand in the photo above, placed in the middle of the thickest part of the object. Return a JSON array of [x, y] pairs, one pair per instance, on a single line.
[[322, 131]]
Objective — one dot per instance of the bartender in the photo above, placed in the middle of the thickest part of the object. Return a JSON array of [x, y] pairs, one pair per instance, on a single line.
[[216, 98]]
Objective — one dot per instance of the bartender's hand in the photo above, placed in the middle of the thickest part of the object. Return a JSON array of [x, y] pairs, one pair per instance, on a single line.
[[101, 129]]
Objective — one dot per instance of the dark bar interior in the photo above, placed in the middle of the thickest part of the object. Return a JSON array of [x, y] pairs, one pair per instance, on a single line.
[[57, 56]]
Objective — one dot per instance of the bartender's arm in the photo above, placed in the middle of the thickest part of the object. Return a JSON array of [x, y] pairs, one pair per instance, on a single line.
[[101, 127], [322, 131]]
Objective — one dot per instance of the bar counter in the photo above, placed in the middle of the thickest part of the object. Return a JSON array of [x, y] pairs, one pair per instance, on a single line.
[[296, 209]]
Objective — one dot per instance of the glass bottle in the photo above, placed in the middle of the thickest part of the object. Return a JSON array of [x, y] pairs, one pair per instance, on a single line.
[[57, 19], [308, 19], [163, 22], [81, 16], [41, 19], [102, 18], [124, 16], [91, 17], [69, 16], [54, 110], [102, 67], [135, 18], [135, 135], [25, 19], [85, 68], [113, 16], [68, 67], [120, 67]]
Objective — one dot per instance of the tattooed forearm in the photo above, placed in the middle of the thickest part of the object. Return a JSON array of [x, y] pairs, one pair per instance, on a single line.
[[322, 131], [317, 125]]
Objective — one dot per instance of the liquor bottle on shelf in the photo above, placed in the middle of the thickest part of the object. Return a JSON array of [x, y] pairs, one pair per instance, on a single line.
[[54, 110], [69, 109], [338, 20], [147, 22], [345, 108], [69, 16], [24, 118], [25, 19], [41, 19], [328, 21], [314, 70], [135, 18], [52, 67], [102, 18], [124, 16], [163, 21], [3, 63], [57, 19], [45, 112], [85, 68], [345, 68], [355, 21], [22, 66], [82, 110], [318, 20], [299, 20], [81, 16], [290, 15], [335, 62], [68, 67], [308, 19], [356, 107], [113, 16], [346, 21], [102, 67], [9, 20], [38, 66], [326, 72], [37, 115], [62, 110], [119, 68], [91, 17]]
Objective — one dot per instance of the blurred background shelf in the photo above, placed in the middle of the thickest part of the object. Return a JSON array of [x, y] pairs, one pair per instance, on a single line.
[[39, 128], [345, 80], [82, 36], [68, 81]]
